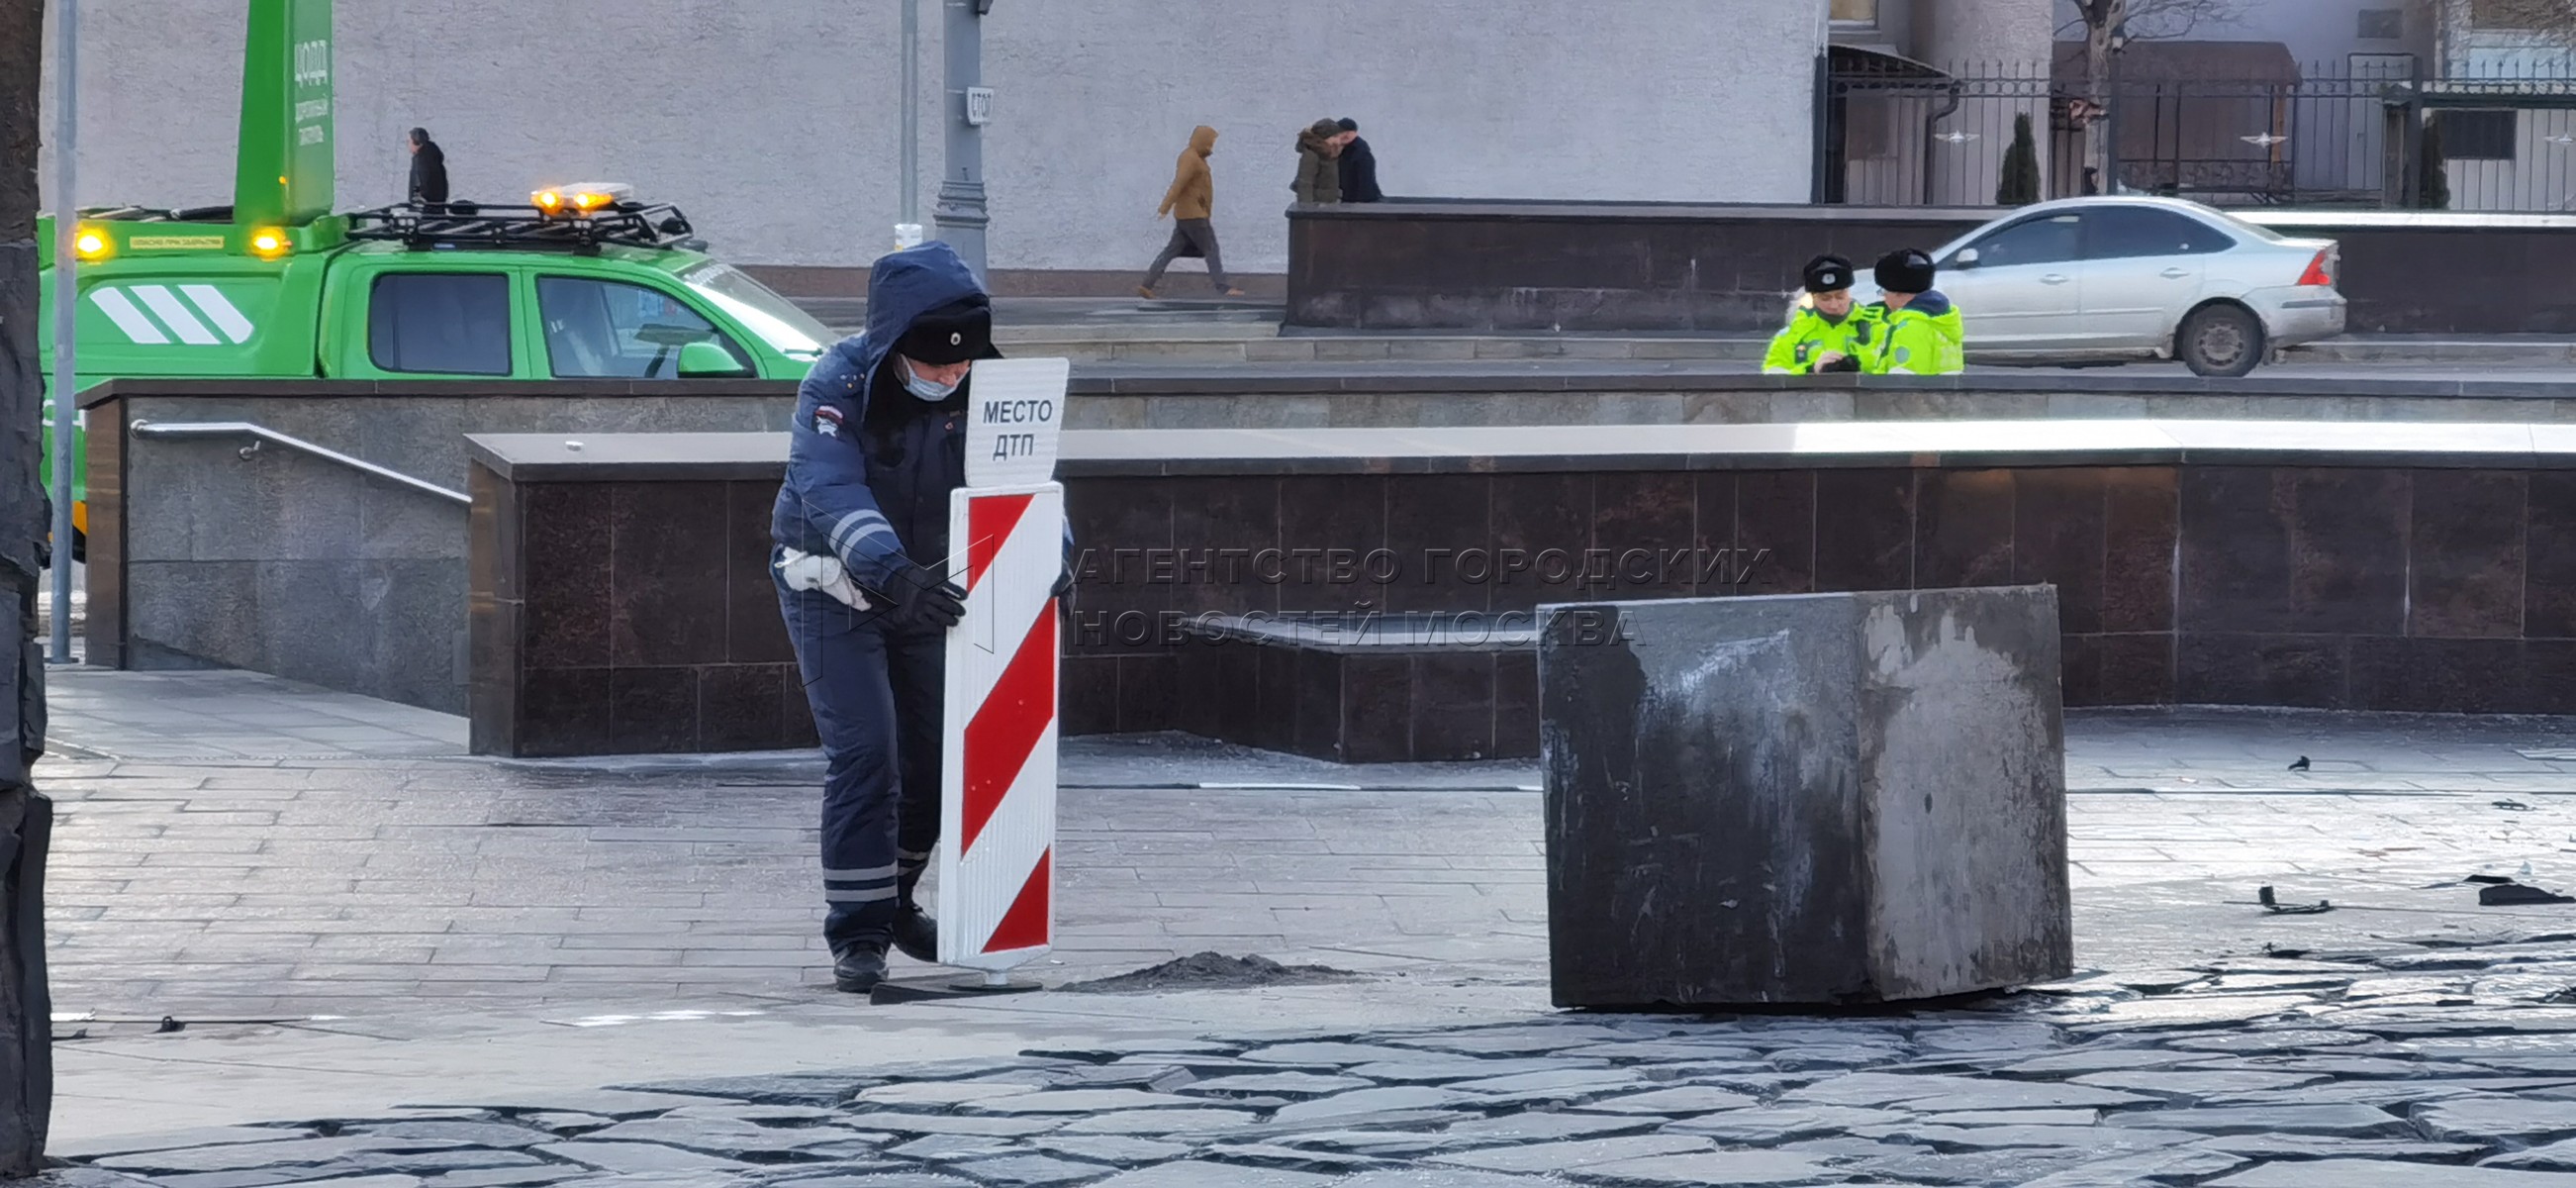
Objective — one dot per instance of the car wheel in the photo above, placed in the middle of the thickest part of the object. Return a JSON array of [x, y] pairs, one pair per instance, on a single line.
[[2220, 340]]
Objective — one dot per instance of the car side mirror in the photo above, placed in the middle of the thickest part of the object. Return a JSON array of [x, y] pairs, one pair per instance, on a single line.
[[1967, 258], [706, 360]]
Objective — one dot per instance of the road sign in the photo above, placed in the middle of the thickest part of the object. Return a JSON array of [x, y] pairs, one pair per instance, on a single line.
[[1014, 410], [997, 795]]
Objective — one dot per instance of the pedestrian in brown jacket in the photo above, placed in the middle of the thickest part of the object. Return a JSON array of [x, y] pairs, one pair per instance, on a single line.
[[1319, 169], [1190, 202]]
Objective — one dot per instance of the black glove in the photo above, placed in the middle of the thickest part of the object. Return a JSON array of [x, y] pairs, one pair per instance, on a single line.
[[1846, 363], [922, 598]]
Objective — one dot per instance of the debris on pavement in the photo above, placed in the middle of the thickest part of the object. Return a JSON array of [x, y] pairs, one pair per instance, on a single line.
[[2301, 764], [2506, 891], [2273, 905], [1211, 970]]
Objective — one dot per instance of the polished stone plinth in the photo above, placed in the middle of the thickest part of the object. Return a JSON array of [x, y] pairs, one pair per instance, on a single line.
[[1818, 799]]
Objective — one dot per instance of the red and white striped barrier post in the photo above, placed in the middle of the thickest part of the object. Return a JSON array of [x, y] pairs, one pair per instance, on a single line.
[[997, 797]]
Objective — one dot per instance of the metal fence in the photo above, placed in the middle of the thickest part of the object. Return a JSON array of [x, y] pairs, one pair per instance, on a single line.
[[2365, 133]]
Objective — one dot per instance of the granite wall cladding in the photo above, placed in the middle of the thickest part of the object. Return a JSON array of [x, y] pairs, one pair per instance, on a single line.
[[628, 618], [2320, 586], [289, 564], [1466, 265]]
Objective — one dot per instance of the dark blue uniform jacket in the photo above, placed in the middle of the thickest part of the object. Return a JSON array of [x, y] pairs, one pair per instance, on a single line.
[[875, 492]]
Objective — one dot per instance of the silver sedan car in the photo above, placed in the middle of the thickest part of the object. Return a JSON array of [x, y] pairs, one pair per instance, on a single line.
[[2118, 278]]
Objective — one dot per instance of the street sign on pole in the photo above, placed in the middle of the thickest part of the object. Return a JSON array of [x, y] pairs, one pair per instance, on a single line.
[[66, 413]]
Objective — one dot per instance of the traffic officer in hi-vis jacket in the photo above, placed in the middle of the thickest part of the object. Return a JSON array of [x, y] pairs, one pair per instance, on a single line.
[[863, 567]]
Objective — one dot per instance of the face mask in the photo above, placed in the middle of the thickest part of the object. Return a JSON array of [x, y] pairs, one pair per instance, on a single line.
[[921, 388]]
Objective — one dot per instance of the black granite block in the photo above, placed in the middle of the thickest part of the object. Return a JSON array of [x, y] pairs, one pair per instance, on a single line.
[[565, 535], [1328, 527], [2236, 549], [1542, 524], [745, 707], [2549, 578], [1775, 529], [2140, 536], [2465, 541], [1087, 695], [1963, 530], [1754, 800], [755, 631], [2294, 549], [2058, 536], [1148, 692], [1642, 521], [1717, 568], [1431, 518], [1315, 692], [1516, 716], [652, 710], [2549, 676], [1126, 569], [1378, 713], [2080, 676], [1220, 525], [667, 575], [1864, 530], [1453, 706], [2472, 676], [564, 711], [2136, 669], [2237, 668], [1274, 682]]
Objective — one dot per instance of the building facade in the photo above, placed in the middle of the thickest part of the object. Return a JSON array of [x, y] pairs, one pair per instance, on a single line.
[[774, 124]]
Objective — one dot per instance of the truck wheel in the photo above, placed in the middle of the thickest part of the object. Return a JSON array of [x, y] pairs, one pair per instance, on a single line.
[[2220, 340]]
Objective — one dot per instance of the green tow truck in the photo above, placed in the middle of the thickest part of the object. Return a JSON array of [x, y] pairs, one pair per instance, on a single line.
[[580, 282]]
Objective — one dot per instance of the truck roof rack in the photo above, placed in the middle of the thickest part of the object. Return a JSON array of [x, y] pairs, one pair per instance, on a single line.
[[482, 225]]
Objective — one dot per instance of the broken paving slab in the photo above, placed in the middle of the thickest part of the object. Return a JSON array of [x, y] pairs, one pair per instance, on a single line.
[[2198, 1083], [1710, 1168], [1955, 1093], [1676, 1101], [1783, 1123], [2356, 1120], [2463, 1119], [1200, 1174], [1567, 1156], [2376, 1173]]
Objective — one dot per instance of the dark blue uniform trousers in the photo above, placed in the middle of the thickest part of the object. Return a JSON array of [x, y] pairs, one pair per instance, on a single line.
[[877, 698]]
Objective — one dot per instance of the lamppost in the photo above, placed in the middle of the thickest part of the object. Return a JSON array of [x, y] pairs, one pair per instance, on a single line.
[[960, 211]]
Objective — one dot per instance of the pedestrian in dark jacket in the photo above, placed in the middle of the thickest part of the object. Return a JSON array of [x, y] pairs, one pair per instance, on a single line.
[[428, 169], [1191, 201], [1319, 171], [1359, 166]]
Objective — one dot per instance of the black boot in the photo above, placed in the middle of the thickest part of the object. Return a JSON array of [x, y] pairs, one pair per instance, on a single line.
[[916, 935], [858, 966]]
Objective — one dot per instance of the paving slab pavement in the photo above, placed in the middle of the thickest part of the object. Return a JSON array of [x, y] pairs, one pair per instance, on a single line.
[[347, 923]]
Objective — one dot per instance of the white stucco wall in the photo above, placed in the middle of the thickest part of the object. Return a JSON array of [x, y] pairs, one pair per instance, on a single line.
[[773, 123]]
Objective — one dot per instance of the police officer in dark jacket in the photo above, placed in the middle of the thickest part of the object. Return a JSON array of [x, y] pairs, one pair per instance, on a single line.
[[877, 445]]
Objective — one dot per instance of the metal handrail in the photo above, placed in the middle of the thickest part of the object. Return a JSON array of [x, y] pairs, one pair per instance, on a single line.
[[261, 433]]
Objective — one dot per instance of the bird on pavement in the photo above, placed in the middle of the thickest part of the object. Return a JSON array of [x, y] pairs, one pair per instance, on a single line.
[[2301, 765]]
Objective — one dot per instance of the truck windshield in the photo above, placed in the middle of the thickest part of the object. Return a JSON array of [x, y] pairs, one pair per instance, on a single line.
[[788, 330]]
